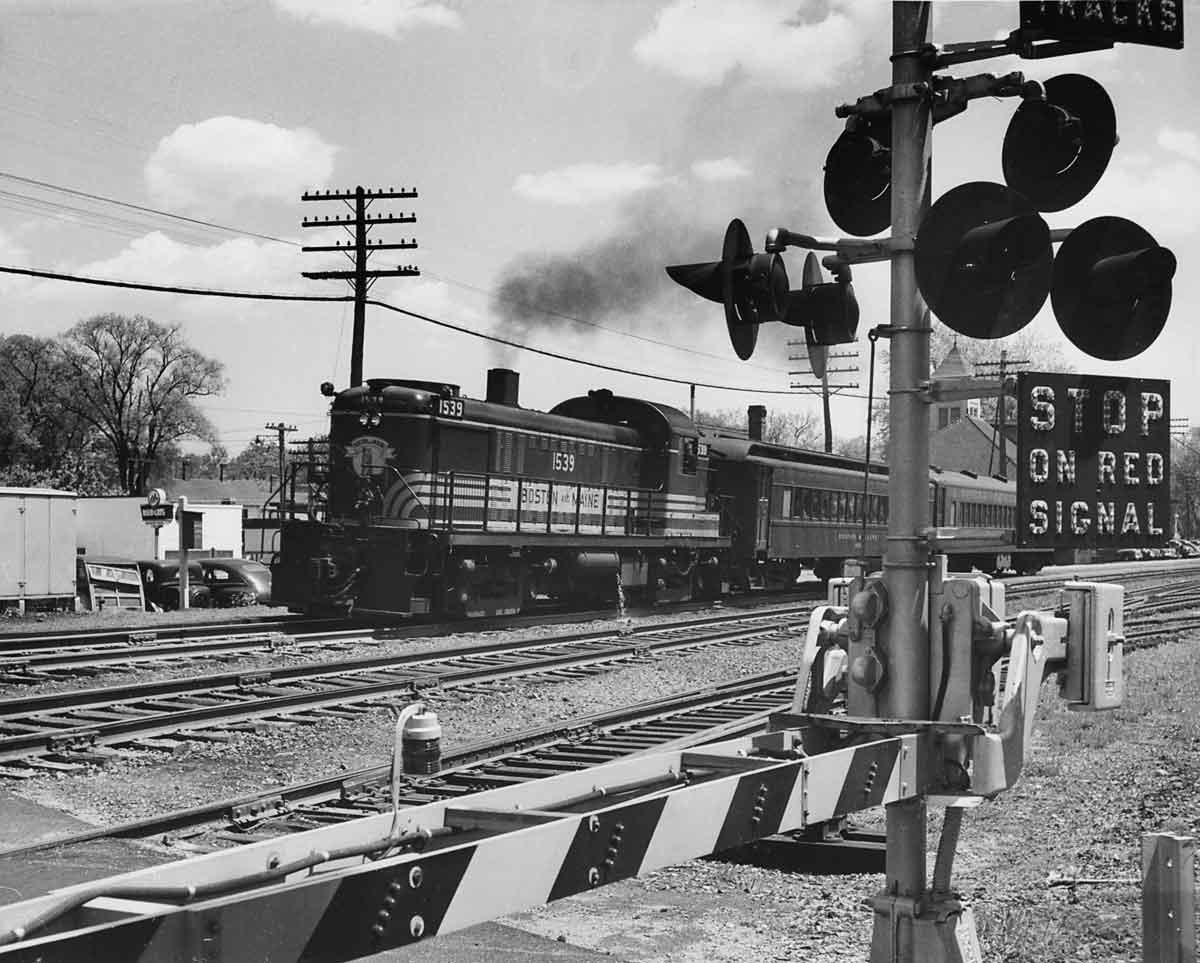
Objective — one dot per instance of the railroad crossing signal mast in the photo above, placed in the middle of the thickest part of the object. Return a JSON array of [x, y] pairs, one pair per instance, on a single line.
[[981, 260], [361, 279]]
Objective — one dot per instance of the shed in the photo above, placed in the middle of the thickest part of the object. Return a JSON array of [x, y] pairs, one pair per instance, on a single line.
[[37, 547]]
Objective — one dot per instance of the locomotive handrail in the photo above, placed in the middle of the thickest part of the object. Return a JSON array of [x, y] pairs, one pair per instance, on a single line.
[[447, 484]]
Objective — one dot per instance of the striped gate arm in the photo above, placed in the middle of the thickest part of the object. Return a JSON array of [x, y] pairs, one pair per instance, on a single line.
[[350, 890]]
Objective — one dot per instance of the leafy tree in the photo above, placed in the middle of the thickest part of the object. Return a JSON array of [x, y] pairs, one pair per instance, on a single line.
[[42, 444], [259, 459], [1185, 483], [134, 382]]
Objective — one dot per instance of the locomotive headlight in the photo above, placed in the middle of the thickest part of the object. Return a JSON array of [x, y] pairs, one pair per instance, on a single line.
[[375, 419], [364, 419]]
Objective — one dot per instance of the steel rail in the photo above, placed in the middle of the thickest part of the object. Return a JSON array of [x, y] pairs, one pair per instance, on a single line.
[[575, 733], [31, 660], [64, 729]]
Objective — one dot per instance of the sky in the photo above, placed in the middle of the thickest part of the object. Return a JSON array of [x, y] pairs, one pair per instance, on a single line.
[[564, 152]]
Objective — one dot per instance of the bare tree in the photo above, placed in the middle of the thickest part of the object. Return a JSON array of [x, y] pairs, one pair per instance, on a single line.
[[134, 381], [795, 429]]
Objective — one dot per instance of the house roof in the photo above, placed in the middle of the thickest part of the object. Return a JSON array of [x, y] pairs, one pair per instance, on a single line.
[[949, 447], [240, 491], [952, 366]]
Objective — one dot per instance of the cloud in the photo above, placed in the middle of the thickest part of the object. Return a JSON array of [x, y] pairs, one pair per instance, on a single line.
[[767, 41], [239, 264], [1183, 142], [224, 159], [1159, 195], [720, 169], [12, 254], [387, 17], [588, 183]]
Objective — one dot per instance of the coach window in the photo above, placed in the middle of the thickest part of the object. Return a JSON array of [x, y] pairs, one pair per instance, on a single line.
[[689, 459]]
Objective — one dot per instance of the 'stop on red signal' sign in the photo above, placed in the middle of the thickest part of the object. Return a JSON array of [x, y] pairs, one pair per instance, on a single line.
[[1093, 461], [1158, 23]]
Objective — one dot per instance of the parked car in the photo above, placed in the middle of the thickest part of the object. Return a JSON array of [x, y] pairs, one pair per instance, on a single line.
[[160, 582], [237, 581]]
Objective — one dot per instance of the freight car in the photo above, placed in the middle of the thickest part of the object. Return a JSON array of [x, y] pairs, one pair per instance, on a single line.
[[441, 503], [435, 502]]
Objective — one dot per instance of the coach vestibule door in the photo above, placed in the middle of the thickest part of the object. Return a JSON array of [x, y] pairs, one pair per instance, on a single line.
[[762, 527]]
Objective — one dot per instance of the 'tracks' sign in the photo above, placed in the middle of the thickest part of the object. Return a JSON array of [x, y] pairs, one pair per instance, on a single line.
[[1093, 461], [1158, 23]]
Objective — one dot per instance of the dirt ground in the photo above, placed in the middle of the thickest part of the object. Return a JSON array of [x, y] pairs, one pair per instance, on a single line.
[[1092, 785]]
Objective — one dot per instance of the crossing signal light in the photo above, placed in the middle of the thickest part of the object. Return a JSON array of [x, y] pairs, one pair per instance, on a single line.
[[983, 260], [1112, 288], [858, 177], [1057, 147], [818, 354], [753, 288], [827, 310]]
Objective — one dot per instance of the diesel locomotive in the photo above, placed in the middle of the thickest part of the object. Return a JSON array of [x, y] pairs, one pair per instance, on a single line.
[[435, 502]]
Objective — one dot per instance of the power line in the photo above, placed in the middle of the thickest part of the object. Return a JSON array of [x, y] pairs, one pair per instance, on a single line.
[[144, 210], [280, 240], [259, 296]]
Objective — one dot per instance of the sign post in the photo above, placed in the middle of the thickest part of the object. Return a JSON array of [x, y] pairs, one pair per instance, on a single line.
[[184, 540], [157, 512], [906, 559]]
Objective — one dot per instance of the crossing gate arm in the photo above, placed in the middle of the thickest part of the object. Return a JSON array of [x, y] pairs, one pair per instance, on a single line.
[[347, 891]]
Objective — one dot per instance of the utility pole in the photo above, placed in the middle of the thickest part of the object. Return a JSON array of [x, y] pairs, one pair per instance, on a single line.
[[821, 371], [282, 430], [999, 369], [361, 279]]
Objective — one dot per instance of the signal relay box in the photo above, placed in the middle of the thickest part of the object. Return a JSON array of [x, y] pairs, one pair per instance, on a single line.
[[1094, 673]]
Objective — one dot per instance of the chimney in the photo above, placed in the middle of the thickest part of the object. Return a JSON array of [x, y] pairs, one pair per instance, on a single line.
[[756, 415], [502, 386]]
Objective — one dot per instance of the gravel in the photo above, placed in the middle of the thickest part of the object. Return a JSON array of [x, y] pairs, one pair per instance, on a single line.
[[1092, 785]]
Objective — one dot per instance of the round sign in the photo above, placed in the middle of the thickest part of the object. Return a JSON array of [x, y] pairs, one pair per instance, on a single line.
[[156, 497]]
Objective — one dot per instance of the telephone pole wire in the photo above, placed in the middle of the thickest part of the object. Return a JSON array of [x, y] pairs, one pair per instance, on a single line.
[[360, 278]]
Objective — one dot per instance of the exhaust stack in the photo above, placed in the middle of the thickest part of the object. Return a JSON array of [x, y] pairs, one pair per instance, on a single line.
[[502, 384]]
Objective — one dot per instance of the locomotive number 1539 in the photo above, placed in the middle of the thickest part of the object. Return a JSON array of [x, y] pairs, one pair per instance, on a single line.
[[450, 407], [564, 461]]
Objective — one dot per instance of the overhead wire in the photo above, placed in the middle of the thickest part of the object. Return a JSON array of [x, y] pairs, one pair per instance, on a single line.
[[266, 296], [157, 212]]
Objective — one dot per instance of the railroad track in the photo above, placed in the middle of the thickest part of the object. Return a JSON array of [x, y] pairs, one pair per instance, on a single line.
[[721, 711], [36, 659], [67, 731]]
